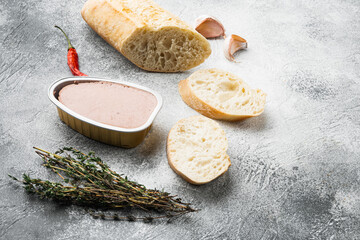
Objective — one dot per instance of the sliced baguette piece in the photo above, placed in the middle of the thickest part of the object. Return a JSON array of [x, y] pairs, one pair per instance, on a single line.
[[196, 150], [148, 35], [221, 95]]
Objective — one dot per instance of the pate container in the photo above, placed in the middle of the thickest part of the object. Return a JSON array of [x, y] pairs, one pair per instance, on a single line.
[[117, 136]]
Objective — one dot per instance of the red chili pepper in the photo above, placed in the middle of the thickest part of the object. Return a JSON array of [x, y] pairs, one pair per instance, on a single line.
[[72, 57]]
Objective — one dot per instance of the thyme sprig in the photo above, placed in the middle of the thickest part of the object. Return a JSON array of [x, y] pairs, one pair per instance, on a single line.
[[88, 181]]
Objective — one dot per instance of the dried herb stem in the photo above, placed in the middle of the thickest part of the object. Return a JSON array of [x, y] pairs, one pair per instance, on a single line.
[[88, 181]]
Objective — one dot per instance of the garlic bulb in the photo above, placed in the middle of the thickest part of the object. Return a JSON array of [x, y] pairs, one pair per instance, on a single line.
[[232, 44], [209, 26]]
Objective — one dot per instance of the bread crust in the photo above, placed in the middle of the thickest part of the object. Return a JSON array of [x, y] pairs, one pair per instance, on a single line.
[[181, 174], [119, 21], [190, 98]]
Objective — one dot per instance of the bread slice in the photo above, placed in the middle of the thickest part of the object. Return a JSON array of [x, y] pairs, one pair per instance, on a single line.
[[149, 36], [196, 150], [221, 95]]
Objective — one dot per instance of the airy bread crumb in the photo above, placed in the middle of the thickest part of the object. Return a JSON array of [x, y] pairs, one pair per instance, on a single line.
[[221, 95], [148, 35], [196, 149]]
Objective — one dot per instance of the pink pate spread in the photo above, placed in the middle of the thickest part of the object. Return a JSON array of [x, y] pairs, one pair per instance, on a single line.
[[109, 103]]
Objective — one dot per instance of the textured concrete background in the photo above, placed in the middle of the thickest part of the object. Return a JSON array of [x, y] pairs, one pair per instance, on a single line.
[[295, 170]]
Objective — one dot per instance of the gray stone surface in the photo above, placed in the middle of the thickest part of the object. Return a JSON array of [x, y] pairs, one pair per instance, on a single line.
[[295, 170]]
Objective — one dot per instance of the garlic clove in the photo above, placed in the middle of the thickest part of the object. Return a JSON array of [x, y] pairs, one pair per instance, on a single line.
[[209, 26], [232, 44]]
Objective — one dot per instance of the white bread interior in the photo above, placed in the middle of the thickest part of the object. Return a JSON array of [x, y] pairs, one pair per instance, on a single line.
[[196, 149], [221, 95], [149, 36]]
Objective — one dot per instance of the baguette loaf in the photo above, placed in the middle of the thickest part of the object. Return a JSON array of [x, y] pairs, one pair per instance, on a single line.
[[146, 34], [196, 150], [221, 95]]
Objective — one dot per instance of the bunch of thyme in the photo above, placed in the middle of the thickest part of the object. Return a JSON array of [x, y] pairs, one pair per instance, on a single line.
[[89, 182]]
